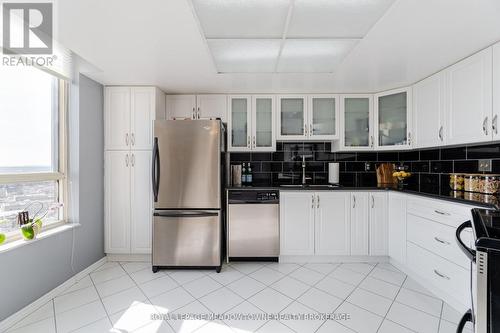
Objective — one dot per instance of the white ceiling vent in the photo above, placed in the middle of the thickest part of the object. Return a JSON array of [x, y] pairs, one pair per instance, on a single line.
[[284, 36]]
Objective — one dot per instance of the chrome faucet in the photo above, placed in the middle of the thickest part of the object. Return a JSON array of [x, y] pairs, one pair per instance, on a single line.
[[304, 178]]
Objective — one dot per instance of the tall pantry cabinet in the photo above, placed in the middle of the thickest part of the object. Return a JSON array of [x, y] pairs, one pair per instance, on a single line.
[[129, 115]]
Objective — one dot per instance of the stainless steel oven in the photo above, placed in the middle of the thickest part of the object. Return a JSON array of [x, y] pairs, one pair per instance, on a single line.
[[253, 224]]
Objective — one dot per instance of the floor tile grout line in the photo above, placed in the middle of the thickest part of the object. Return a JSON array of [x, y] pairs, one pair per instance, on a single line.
[[38, 308], [440, 316], [54, 309], [149, 300], [100, 299]]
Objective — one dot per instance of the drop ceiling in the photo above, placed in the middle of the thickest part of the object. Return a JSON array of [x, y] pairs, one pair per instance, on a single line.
[[163, 42], [284, 36]]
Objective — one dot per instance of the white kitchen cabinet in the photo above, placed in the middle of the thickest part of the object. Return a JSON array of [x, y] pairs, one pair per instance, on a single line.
[[297, 210], [323, 117], [359, 223], [496, 92], [196, 106], [396, 218], [141, 205], [356, 123], [181, 106], [469, 99], [129, 115], [313, 117], [393, 119], [331, 222], [429, 111], [117, 115], [128, 202], [117, 201], [251, 124], [378, 224]]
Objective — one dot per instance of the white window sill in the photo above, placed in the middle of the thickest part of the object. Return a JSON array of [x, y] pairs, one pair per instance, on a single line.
[[44, 234]]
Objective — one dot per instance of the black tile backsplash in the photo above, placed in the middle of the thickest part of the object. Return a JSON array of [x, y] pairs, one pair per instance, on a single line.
[[430, 166]]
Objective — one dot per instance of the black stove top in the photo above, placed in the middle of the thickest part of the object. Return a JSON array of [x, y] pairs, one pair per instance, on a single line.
[[486, 225]]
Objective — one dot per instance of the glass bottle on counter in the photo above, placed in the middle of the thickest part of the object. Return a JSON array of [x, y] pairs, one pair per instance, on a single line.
[[243, 175], [249, 175]]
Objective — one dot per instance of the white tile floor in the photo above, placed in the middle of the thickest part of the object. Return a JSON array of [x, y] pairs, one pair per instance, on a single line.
[[120, 297]]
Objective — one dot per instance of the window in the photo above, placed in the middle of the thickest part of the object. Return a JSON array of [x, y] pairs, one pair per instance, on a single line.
[[32, 146]]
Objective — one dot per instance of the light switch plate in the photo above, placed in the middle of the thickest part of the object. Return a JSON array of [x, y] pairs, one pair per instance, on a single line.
[[484, 165]]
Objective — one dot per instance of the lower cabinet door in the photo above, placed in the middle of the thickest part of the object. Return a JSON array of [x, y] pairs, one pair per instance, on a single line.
[[378, 224], [359, 223], [140, 202], [397, 227], [332, 223], [296, 223], [117, 202]]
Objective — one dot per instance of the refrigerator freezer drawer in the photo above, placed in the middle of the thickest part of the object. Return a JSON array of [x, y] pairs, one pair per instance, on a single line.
[[187, 238]]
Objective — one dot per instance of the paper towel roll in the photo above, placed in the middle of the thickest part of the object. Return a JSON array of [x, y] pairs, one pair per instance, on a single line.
[[333, 173]]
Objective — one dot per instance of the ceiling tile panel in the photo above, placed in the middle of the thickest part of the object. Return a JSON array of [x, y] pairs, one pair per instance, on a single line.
[[335, 18]]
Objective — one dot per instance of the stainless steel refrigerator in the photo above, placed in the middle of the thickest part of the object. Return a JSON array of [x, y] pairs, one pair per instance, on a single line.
[[187, 175]]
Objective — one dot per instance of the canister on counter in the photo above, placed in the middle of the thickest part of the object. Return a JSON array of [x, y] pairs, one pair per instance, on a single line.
[[457, 181]]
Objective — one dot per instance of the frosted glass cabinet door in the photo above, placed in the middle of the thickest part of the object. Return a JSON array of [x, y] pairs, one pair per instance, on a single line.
[[239, 123], [323, 111], [263, 136], [357, 119], [292, 117], [393, 119]]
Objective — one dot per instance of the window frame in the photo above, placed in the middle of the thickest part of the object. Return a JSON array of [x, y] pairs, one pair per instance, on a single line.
[[61, 175]]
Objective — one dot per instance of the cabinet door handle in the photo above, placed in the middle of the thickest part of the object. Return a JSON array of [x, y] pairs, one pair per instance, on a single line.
[[310, 129], [354, 202], [441, 133], [312, 201], [133, 159], [485, 126], [373, 201], [254, 142], [372, 140], [494, 125], [317, 201], [194, 113], [441, 213], [248, 141], [126, 160], [198, 112], [441, 275], [305, 129], [439, 240], [132, 139], [126, 139], [409, 138]]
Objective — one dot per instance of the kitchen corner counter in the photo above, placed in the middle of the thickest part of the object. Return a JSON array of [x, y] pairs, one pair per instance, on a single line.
[[467, 198]]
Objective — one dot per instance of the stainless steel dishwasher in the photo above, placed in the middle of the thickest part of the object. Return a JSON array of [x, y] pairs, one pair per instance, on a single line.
[[253, 224]]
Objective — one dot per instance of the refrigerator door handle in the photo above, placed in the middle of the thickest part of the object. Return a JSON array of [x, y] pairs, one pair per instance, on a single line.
[[156, 169], [470, 253], [184, 214], [467, 317]]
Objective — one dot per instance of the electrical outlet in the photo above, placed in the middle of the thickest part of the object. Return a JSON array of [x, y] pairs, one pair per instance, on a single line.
[[368, 166], [485, 165]]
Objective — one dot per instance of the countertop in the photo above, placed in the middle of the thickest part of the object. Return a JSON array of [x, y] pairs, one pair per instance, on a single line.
[[476, 199]]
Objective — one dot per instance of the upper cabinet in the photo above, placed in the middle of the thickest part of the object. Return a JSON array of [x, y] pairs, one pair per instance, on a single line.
[[429, 111], [196, 106], [356, 123], [292, 117], [129, 115], [393, 119], [251, 123], [469, 99]]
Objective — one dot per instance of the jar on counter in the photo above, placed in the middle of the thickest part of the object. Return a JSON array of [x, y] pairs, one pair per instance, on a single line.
[[471, 182], [489, 184], [457, 182]]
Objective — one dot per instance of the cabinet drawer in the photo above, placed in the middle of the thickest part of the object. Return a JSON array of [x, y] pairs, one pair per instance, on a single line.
[[439, 211], [452, 279], [437, 238]]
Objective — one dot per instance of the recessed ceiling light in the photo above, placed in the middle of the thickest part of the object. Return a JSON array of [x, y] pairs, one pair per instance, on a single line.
[[244, 55], [242, 18], [313, 55], [335, 18]]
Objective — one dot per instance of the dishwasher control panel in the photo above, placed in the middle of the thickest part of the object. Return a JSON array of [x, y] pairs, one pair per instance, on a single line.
[[253, 196]]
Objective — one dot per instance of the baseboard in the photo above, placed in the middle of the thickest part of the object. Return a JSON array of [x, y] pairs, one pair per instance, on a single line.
[[129, 257], [330, 259], [19, 315]]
